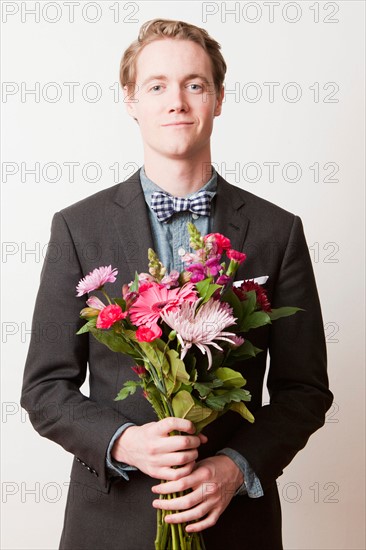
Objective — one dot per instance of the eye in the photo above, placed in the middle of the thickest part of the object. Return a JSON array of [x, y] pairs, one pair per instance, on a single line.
[[195, 87], [156, 88]]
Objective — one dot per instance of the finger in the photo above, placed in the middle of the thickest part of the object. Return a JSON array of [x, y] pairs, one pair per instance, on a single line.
[[172, 474], [179, 503], [175, 459], [170, 424], [204, 523], [203, 438], [192, 514], [179, 484], [175, 443]]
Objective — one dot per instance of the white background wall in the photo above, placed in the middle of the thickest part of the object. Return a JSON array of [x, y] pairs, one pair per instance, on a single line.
[[316, 123]]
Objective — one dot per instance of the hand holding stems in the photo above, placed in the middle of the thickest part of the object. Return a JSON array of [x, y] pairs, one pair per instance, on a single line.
[[213, 483], [152, 449]]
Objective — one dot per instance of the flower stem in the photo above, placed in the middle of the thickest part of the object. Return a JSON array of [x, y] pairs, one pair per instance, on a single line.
[[105, 295]]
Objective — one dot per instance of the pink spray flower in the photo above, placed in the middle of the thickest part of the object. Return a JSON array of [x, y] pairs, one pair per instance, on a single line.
[[156, 299], [235, 255], [96, 279], [148, 334], [110, 315]]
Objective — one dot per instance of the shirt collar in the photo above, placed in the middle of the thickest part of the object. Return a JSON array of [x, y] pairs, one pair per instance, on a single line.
[[149, 187]]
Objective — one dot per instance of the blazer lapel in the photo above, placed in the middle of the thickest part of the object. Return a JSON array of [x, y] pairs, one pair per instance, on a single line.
[[130, 216], [229, 218], [132, 224]]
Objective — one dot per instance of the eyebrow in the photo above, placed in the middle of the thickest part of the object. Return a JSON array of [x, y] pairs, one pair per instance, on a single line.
[[187, 77]]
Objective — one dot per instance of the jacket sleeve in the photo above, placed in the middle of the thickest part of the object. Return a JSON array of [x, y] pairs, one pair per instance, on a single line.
[[297, 378], [57, 362]]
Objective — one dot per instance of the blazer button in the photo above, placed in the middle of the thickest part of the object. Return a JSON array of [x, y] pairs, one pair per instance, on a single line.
[[78, 459]]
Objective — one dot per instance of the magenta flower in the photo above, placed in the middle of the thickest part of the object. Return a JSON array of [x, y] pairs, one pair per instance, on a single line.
[[223, 280], [198, 272], [96, 279], [156, 299], [110, 315], [213, 266]]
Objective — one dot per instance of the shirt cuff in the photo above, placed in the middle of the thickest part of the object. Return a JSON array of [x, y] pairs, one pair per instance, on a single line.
[[251, 485], [114, 467]]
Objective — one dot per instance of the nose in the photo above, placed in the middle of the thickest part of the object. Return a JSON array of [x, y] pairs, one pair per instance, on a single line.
[[178, 102]]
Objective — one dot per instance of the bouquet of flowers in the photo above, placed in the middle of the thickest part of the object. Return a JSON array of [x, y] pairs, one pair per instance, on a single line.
[[183, 331]]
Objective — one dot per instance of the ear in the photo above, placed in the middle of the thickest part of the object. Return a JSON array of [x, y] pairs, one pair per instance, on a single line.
[[219, 100], [130, 100]]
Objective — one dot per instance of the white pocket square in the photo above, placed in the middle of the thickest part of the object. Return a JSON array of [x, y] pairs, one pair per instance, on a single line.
[[259, 280]]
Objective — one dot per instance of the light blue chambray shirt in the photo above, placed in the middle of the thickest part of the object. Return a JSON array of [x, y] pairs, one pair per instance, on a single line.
[[171, 241]]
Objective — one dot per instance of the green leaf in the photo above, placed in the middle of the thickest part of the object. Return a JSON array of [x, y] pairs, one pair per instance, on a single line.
[[113, 341], [222, 397], [255, 320], [154, 397], [202, 287], [283, 312], [242, 410], [176, 374], [230, 378], [184, 406], [88, 326], [206, 289], [152, 352], [231, 298], [245, 351], [205, 388], [128, 389]]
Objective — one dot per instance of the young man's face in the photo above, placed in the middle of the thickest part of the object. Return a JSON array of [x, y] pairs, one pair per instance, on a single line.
[[176, 99]]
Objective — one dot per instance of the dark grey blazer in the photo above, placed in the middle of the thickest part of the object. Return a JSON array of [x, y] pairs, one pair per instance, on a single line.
[[112, 227]]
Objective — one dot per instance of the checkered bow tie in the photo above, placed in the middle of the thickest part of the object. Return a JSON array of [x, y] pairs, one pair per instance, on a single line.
[[165, 205]]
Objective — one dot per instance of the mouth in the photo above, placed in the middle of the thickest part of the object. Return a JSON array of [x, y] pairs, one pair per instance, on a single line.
[[178, 124]]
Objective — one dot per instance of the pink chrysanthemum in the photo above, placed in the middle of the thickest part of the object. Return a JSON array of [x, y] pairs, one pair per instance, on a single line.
[[96, 279], [157, 299], [203, 327]]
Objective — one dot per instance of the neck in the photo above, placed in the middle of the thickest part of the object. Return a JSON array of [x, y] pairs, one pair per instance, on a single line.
[[179, 177]]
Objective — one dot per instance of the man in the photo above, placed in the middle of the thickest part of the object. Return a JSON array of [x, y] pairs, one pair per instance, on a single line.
[[173, 81]]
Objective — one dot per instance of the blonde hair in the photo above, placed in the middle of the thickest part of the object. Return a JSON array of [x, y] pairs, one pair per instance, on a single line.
[[156, 29]]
